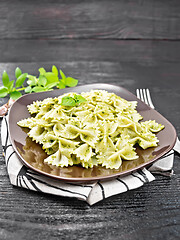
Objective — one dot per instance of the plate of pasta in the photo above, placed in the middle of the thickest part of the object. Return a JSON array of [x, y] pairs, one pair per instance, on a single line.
[[88, 133]]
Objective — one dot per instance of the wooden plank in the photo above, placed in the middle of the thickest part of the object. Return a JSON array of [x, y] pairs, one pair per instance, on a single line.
[[90, 19], [143, 52]]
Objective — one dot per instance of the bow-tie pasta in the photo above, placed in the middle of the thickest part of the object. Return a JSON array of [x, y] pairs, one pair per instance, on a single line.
[[103, 130]]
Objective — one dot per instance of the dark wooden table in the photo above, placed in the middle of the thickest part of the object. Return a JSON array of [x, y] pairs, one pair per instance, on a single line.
[[133, 44]]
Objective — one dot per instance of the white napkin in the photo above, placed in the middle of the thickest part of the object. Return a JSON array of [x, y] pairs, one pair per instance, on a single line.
[[22, 176]]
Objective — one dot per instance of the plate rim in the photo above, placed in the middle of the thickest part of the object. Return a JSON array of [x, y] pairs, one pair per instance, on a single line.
[[97, 178]]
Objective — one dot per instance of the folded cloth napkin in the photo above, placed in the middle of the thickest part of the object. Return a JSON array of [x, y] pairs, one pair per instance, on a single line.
[[24, 177]]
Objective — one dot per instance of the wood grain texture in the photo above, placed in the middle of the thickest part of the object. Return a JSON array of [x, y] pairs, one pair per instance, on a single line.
[[133, 44], [150, 212], [60, 19], [147, 52]]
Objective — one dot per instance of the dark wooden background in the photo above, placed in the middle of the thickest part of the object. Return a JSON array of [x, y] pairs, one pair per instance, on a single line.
[[134, 44]]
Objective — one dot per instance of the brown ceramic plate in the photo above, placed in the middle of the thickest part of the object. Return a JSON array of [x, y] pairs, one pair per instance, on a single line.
[[32, 155]]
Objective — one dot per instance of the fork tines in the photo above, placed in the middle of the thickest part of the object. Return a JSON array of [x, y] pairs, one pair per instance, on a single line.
[[144, 95]]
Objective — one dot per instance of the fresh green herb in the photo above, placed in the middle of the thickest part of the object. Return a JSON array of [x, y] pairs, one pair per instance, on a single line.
[[72, 101], [67, 81], [79, 99], [26, 83], [68, 101]]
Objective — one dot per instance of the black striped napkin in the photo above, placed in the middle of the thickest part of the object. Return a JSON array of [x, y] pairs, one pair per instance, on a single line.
[[24, 177]]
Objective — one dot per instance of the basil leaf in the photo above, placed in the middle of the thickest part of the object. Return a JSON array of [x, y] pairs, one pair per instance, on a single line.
[[42, 80], [15, 95], [5, 79], [79, 99], [38, 89], [63, 76], [32, 80], [28, 89], [42, 71], [18, 72], [31, 77], [51, 77], [68, 101], [3, 91], [50, 85], [20, 80], [10, 85], [54, 70], [71, 82], [31, 83], [61, 85]]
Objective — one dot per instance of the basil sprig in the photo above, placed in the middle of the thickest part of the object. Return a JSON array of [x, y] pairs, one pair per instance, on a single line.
[[72, 101], [26, 83]]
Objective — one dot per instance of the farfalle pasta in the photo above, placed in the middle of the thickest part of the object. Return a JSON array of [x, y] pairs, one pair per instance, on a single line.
[[103, 130]]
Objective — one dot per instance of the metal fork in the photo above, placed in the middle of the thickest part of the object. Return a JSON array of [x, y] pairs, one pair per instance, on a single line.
[[144, 95]]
